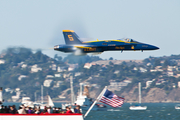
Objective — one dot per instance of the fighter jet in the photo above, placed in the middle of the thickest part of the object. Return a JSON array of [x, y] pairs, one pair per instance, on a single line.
[[78, 47]]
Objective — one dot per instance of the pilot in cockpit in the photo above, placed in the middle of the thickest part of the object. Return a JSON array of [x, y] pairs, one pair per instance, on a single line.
[[127, 39]]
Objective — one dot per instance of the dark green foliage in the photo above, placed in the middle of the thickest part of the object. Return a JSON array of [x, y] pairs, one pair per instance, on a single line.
[[157, 62], [111, 58]]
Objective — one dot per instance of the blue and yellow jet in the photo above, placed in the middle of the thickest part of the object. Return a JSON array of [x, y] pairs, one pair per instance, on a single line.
[[75, 45]]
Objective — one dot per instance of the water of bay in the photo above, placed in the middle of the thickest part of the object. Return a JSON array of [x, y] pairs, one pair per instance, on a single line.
[[155, 111]]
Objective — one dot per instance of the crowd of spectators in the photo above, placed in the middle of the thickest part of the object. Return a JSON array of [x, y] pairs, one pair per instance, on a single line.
[[36, 110]]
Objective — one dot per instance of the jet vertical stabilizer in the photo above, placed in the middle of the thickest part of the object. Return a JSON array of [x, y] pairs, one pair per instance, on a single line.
[[71, 37]]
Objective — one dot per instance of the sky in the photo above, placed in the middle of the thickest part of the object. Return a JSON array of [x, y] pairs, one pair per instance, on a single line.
[[38, 24]]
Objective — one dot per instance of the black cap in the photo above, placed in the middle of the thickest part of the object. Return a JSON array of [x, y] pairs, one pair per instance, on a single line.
[[0, 88]]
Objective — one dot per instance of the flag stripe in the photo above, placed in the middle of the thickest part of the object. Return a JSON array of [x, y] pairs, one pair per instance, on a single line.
[[114, 101]]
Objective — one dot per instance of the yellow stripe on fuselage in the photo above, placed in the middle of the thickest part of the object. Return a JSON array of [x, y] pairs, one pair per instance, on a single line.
[[67, 30], [81, 47], [108, 41]]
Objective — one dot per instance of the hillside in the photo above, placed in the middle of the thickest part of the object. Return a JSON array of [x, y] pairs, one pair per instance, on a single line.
[[22, 72]]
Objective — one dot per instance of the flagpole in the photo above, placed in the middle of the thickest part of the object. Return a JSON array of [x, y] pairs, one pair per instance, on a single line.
[[95, 101]]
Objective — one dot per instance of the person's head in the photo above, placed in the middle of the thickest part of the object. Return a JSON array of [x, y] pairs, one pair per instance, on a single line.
[[79, 106], [11, 108], [14, 106], [45, 108], [67, 108], [76, 107]]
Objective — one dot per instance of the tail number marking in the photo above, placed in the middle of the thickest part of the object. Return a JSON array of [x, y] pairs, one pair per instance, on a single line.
[[70, 38]]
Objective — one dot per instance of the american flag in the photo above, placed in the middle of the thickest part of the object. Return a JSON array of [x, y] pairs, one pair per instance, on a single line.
[[111, 99]]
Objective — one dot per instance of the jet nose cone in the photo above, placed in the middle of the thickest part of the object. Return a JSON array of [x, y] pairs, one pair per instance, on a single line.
[[156, 48], [152, 47]]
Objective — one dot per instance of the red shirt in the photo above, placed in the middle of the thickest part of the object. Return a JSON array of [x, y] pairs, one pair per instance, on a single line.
[[69, 111]]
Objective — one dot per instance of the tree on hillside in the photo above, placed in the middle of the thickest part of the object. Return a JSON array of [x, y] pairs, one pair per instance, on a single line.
[[166, 63], [57, 57], [111, 58], [157, 62]]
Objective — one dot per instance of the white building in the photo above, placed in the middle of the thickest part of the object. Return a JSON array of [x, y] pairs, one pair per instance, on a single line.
[[148, 83], [66, 75], [17, 89], [77, 74], [142, 69], [21, 76], [61, 97], [24, 65], [34, 68], [57, 75], [177, 76], [47, 83], [158, 67], [87, 65], [20, 64], [160, 70], [135, 68], [116, 72], [127, 81], [71, 68], [2, 61], [148, 64], [53, 66], [59, 69], [178, 84], [172, 68], [174, 85], [170, 73], [49, 76], [152, 70]]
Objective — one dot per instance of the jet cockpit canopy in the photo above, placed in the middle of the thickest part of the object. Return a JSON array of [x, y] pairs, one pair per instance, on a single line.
[[128, 40]]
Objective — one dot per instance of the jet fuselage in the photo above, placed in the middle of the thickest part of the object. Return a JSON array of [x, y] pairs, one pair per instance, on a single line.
[[73, 44]]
